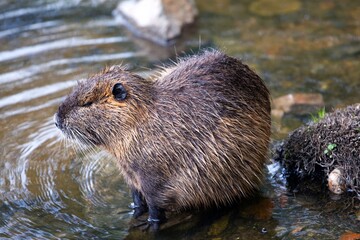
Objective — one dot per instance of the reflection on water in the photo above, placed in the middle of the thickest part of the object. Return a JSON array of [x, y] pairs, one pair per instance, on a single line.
[[50, 191]]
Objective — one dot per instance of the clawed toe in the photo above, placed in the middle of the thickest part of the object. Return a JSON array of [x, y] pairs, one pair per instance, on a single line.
[[138, 211], [154, 224]]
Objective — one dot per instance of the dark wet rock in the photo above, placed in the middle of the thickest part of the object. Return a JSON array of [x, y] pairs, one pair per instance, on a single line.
[[312, 151], [160, 21]]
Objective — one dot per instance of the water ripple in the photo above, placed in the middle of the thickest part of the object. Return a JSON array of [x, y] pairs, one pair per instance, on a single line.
[[42, 8], [36, 69], [59, 44], [88, 181], [30, 27], [35, 93], [27, 109]]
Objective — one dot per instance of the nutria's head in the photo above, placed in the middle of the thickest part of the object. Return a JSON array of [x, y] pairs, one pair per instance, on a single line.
[[105, 107]]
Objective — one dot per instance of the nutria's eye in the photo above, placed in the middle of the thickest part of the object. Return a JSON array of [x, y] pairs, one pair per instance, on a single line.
[[119, 92], [87, 104]]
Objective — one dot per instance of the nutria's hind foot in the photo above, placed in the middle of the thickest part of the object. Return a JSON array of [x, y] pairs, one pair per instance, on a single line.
[[156, 217], [139, 206], [154, 221], [156, 214]]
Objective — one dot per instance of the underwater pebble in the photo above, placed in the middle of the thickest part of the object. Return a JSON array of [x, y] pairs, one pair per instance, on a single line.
[[350, 236], [297, 229]]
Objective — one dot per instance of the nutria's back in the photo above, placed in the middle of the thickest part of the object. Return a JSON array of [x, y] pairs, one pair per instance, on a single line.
[[215, 117], [196, 135]]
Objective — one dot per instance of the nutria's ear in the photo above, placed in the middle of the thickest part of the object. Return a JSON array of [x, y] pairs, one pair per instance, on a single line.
[[119, 92]]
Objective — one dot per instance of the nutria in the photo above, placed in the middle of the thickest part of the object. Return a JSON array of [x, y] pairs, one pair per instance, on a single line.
[[196, 135]]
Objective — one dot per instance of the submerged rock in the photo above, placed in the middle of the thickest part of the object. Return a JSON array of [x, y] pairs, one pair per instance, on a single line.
[[336, 181], [268, 8], [160, 21], [296, 103], [219, 226], [313, 151]]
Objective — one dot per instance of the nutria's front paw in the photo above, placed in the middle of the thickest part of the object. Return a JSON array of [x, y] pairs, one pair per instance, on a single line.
[[139, 204], [139, 210]]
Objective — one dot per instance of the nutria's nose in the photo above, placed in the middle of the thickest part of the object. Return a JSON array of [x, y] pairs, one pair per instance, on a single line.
[[57, 121]]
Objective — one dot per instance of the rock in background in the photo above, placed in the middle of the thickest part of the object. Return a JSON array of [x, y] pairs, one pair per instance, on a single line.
[[296, 103], [160, 21]]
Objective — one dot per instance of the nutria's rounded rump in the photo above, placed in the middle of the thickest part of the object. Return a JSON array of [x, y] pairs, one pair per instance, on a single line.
[[195, 135]]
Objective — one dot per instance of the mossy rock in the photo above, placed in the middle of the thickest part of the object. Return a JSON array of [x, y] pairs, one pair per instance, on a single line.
[[312, 151]]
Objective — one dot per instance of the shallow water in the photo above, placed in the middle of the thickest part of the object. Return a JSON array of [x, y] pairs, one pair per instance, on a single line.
[[50, 191]]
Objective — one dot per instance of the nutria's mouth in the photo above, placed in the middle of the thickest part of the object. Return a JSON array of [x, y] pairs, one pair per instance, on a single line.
[[75, 134]]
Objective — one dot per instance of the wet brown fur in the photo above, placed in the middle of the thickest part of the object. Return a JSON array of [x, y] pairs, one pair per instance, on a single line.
[[194, 136]]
